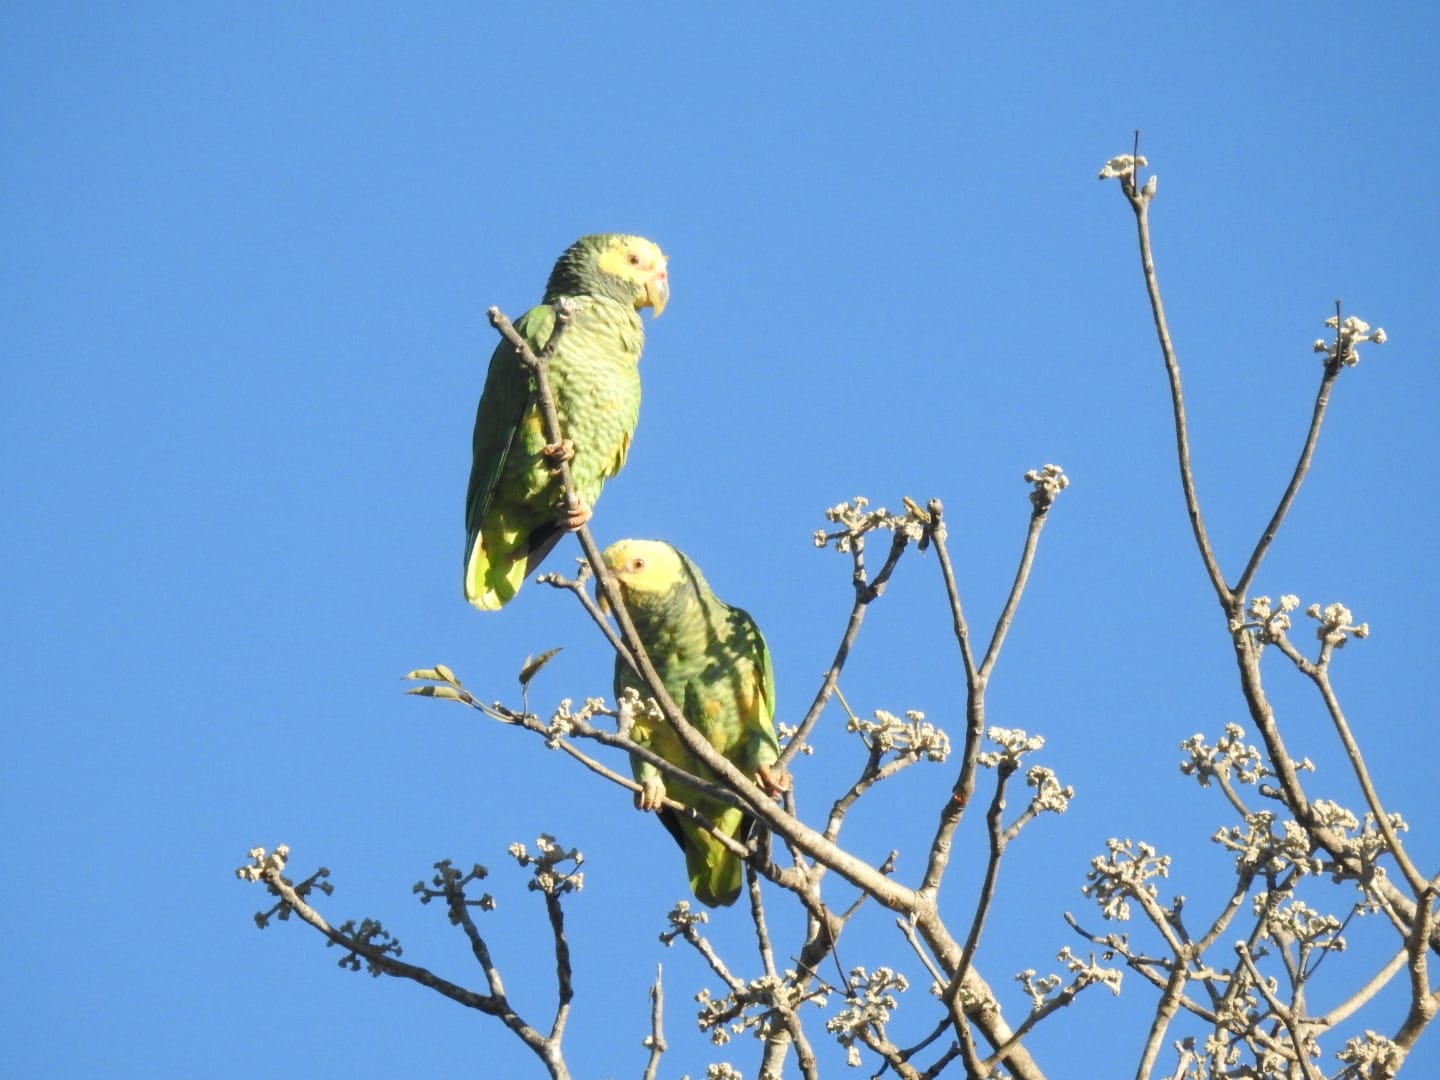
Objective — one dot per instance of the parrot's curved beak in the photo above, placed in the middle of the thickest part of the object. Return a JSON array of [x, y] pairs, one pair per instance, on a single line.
[[657, 292]]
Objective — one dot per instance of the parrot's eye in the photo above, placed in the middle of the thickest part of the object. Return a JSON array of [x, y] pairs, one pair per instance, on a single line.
[[634, 259], [637, 563]]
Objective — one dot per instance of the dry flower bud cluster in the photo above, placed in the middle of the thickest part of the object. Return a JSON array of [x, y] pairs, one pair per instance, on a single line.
[[1259, 847], [855, 521], [683, 919], [1223, 1047], [1336, 624], [1085, 972], [716, 1015], [1050, 795], [913, 735], [631, 707], [1348, 334], [1124, 873], [269, 867], [1287, 919], [755, 1007], [1014, 744], [371, 936], [721, 1071], [563, 720], [1371, 1055], [1049, 481], [1122, 165], [262, 862], [1271, 622], [448, 884], [786, 732], [1230, 757], [1038, 989], [870, 998], [1236, 1013], [1367, 845], [547, 877]]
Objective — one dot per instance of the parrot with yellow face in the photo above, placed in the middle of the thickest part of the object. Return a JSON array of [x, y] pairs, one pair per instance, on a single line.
[[715, 666], [515, 510]]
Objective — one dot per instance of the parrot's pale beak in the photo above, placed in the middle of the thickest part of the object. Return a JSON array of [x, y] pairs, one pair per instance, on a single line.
[[657, 293]]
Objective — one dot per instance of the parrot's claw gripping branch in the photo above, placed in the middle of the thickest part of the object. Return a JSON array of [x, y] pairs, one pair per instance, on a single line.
[[576, 515], [774, 780], [564, 450]]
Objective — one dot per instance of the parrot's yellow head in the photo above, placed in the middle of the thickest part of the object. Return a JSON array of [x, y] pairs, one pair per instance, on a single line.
[[630, 269], [644, 566]]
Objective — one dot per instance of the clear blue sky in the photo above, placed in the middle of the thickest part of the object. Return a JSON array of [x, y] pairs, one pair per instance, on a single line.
[[247, 254]]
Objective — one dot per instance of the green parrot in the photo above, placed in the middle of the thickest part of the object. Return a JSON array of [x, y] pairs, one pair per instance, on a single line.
[[716, 668], [514, 509]]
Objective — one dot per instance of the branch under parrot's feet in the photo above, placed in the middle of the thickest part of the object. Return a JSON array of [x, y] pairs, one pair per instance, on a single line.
[[774, 779]]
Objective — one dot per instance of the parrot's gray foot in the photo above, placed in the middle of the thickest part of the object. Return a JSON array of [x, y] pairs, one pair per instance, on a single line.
[[572, 519], [556, 453], [651, 795], [773, 779]]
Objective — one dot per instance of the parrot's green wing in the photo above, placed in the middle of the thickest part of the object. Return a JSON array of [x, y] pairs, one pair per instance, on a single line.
[[496, 557], [735, 709], [736, 713], [756, 696]]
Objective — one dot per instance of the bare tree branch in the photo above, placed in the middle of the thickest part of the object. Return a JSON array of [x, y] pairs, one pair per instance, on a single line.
[[269, 870]]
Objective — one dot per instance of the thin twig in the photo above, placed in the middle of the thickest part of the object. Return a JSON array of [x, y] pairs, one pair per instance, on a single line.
[[937, 536], [976, 684], [1017, 589], [866, 593], [1297, 477], [1140, 202], [564, 985], [986, 893], [656, 1042], [1373, 985], [762, 928], [576, 585], [1413, 877]]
